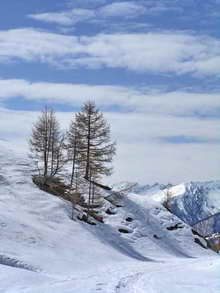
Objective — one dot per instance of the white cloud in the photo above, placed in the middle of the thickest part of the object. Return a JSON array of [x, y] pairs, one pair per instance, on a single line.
[[153, 52], [85, 3], [146, 100], [66, 18], [101, 11], [73, 94], [150, 163], [154, 116], [32, 45], [122, 9], [77, 15]]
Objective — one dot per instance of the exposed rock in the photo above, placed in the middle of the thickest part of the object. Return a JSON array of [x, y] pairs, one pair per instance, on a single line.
[[110, 211], [129, 219], [124, 230], [175, 227]]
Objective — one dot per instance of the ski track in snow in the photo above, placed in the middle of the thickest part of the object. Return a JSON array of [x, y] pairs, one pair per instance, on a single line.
[[170, 279], [127, 284]]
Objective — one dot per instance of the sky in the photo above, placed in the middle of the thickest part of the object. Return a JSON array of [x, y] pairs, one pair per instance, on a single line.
[[152, 67]]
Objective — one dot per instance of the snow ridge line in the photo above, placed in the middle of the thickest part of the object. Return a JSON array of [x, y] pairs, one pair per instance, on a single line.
[[15, 263]]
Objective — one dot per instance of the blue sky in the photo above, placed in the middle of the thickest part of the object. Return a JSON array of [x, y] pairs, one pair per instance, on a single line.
[[153, 67]]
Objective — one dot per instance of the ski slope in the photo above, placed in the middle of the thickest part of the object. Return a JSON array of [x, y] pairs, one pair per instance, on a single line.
[[43, 251]]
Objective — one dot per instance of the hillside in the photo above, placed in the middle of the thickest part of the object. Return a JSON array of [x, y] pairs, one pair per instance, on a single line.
[[43, 250]]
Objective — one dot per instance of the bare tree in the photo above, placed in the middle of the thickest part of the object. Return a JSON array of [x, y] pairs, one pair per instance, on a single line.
[[95, 149], [47, 144], [73, 142]]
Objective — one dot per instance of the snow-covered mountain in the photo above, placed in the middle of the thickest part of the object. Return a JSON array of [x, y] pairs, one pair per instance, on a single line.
[[141, 247], [208, 227], [129, 187], [195, 201]]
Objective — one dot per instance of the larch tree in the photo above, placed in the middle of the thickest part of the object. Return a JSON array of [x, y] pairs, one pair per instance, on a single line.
[[47, 144], [73, 146], [95, 149]]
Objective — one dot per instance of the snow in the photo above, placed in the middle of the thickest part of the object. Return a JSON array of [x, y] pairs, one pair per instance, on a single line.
[[177, 190], [214, 199], [43, 251]]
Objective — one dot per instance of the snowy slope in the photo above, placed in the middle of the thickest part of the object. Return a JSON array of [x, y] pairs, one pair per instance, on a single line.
[[43, 250]]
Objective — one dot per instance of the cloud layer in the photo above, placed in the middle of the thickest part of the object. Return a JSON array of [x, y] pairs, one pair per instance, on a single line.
[[165, 115], [66, 18], [127, 10], [127, 99], [165, 52], [90, 11]]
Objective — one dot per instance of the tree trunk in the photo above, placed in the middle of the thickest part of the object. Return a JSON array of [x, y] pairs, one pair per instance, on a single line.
[[73, 164], [90, 192], [88, 148]]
